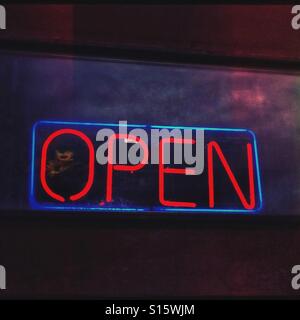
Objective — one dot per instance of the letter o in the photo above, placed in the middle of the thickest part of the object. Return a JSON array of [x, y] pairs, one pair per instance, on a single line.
[[90, 179]]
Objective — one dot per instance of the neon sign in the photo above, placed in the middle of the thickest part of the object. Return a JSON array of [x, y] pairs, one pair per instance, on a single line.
[[66, 173]]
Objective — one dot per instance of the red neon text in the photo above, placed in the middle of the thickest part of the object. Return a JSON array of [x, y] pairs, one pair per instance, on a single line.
[[212, 148], [111, 167], [214, 145], [163, 170], [90, 179]]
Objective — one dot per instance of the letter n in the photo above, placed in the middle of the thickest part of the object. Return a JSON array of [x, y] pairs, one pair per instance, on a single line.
[[249, 205]]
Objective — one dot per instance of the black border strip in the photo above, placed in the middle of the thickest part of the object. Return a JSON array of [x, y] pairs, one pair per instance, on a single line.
[[152, 2]]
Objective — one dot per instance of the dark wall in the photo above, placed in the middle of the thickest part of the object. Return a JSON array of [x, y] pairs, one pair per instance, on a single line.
[[237, 30], [83, 256]]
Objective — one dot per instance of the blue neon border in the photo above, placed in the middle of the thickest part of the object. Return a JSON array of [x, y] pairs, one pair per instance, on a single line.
[[37, 206]]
